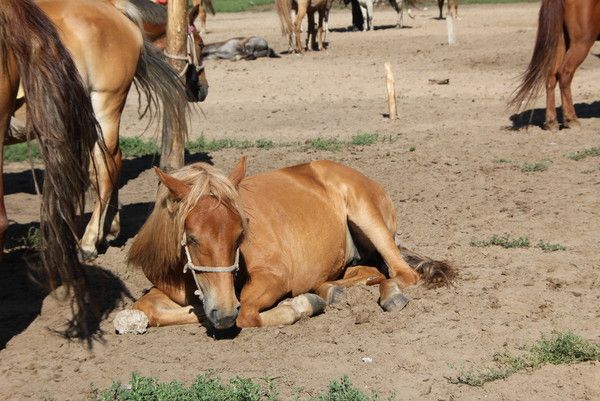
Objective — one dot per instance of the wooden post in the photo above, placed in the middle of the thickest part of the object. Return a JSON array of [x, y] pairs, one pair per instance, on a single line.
[[173, 141], [391, 91]]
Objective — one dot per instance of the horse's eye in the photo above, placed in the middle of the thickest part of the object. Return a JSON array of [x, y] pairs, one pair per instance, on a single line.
[[192, 240]]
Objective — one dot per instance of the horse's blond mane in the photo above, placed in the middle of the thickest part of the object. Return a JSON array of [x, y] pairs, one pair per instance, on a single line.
[[157, 247]]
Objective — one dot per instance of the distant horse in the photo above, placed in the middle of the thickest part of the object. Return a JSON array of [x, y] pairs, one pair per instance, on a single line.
[[293, 29], [441, 6], [304, 231], [110, 52], [567, 29], [61, 118], [364, 20], [202, 6], [238, 49]]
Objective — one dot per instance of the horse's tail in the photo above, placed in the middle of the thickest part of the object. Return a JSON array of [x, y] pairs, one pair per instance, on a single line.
[[284, 11], [164, 91], [208, 5], [550, 29], [434, 273], [61, 118]]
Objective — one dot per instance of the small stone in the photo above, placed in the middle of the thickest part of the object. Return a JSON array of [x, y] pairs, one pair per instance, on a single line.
[[130, 321], [367, 359]]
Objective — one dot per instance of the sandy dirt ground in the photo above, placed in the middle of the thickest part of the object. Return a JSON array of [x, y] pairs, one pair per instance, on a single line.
[[461, 181]]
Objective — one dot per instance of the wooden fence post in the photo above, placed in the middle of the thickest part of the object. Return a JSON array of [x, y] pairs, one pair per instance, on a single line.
[[173, 140], [391, 91]]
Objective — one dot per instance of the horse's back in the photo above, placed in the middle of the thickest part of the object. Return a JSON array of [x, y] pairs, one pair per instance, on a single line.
[[98, 36], [298, 219]]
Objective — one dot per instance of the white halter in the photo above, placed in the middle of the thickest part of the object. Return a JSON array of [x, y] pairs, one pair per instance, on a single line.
[[206, 269], [192, 56]]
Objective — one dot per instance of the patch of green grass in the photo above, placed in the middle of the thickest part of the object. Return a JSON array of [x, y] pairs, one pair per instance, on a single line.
[[535, 167], [325, 143], [364, 139], [582, 154], [501, 161], [556, 349], [548, 247], [505, 241], [19, 152], [136, 147], [412, 149], [231, 6], [210, 388], [264, 143]]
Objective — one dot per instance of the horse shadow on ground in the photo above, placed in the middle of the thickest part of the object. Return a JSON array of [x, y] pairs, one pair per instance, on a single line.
[[23, 297], [352, 28], [536, 117], [20, 278]]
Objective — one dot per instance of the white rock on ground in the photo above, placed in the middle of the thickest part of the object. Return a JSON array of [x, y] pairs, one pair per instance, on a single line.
[[130, 321]]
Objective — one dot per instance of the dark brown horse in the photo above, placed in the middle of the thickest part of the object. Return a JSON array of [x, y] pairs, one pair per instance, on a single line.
[[567, 29], [61, 117]]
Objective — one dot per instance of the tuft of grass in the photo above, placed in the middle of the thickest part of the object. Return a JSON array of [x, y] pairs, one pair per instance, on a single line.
[[325, 143], [264, 143], [582, 154], [548, 247], [136, 147], [505, 241], [556, 349], [209, 388], [19, 152], [412, 149], [364, 139], [501, 161], [535, 167]]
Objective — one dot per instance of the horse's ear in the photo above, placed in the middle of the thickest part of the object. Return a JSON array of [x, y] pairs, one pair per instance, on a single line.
[[178, 188], [239, 172], [193, 14]]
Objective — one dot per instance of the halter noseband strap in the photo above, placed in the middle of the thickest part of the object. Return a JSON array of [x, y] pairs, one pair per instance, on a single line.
[[191, 58]]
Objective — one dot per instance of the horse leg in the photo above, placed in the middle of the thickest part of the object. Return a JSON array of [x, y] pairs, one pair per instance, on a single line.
[[163, 311], [573, 58], [456, 9], [441, 7], [331, 291], [202, 17], [106, 166], [311, 39], [365, 16], [321, 33], [551, 122], [369, 15], [262, 291], [298, 27]]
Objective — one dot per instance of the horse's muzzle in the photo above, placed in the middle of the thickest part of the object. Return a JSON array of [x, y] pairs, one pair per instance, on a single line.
[[221, 320]]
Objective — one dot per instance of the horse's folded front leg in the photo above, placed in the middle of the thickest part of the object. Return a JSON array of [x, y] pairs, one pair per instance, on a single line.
[[262, 292]]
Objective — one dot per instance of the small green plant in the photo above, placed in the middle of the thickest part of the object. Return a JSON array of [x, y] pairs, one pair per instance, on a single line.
[[501, 161], [558, 348], [324, 143], [548, 247], [364, 139], [19, 152], [264, 143], [535, 167], [582, 154], [343, 390], [412, 149], [505, 241], [136, 147]]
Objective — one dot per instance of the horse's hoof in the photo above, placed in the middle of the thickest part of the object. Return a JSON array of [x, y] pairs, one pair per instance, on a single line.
[[335, 294], [130, 321], [87, 254], [308, 304], [551, 126], [395, 302], [573, 124]]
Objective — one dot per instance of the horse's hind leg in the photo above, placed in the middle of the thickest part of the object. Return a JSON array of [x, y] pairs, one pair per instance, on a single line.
[[331, 291], [441, 7], [106, 166], [577, 52], [163, 311], [261, 293]]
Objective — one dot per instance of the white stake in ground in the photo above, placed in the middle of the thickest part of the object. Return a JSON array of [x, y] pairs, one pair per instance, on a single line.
[[391, 91], [450, 28]]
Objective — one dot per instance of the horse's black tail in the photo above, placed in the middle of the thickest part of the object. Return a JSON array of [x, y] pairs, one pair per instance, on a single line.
[[60, 116], [273, 54]]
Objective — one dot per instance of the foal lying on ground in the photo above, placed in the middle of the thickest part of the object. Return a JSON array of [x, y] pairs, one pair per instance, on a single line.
[[305, 231], [238, 49]]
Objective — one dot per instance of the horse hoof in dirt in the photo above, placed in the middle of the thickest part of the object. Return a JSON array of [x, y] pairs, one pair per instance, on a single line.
[[87, 254], [551, 126], [331, 293], [573, 124], [391, 298], [306, 305], [130, 321]]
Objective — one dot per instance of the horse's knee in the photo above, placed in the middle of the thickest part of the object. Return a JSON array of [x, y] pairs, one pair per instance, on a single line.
[[248, 318]]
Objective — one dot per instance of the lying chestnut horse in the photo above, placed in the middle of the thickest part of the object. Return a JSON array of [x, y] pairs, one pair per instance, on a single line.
[[567, 29], [304, 231]]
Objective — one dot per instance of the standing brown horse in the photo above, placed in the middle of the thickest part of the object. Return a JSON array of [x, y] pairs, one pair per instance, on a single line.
[[567, 29], [293, 28], [105, 39], [61, 118], [304, 231]]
